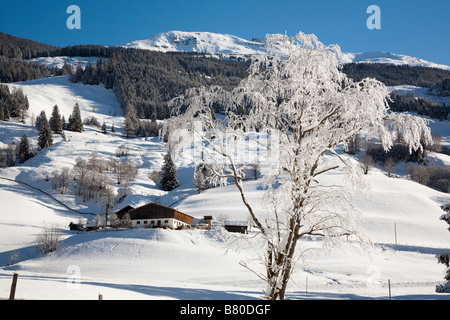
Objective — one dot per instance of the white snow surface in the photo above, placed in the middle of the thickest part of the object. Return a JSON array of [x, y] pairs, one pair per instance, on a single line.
[[196, 264]]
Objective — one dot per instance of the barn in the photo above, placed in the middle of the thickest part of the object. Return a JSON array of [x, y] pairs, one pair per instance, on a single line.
[[154, 215], [122, 212]]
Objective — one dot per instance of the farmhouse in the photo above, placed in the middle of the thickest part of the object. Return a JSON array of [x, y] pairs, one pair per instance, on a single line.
[[154, 215]]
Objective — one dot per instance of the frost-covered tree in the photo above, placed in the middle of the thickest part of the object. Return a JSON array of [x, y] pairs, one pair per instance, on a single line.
[[444, 258], [108, 197], [168, 180], [199, 180], [366, 162], [308, 110]]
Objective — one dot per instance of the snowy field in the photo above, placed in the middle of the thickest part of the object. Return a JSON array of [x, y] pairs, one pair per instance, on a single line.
[[398, 216]]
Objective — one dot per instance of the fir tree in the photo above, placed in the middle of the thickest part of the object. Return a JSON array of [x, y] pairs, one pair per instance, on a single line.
[[168, 175], [55, 121], [20, 104], [75, 122], [63, 123], [25, 152], [39, 119], [131, 121], [45, 134], [104, 128]]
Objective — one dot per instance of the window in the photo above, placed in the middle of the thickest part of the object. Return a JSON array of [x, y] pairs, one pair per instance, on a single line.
[[166, 221], [138, 222]]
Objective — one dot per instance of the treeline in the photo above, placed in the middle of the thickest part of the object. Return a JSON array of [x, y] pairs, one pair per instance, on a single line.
[[15, 70], [393, 75], [19, 48], [13, 104], [442, 88], [436, 177], [147, 80], [20, 152], [421, 105]]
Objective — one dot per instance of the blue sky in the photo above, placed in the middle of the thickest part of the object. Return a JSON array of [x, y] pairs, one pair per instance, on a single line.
[[415, 28]]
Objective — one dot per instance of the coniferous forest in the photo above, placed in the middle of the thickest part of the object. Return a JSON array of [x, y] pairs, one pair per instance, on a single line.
[[144, 81]]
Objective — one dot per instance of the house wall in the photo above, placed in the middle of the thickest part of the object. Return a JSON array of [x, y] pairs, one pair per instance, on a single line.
[[153, 223]]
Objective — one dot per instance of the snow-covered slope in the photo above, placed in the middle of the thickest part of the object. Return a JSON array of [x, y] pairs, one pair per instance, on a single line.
[[196, 264], [226, 45]]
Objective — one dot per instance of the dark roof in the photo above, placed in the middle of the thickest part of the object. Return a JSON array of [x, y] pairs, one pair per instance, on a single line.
[[157, 211], [236, 228], [125, 210]]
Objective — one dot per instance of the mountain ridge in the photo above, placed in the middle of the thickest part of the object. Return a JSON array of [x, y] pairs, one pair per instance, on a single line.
[[230, 45]]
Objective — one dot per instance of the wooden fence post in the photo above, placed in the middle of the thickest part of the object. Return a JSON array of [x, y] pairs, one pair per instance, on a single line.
[[389, 284], [12, 293]]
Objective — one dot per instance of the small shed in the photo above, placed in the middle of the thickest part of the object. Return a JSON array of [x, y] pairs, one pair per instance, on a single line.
[[205, 223], [76, 226], [207, 220], [236, 226]]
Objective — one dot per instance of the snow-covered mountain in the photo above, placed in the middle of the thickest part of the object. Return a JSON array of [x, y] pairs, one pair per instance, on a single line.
[[226, 45], [389, 58], [206, 42]]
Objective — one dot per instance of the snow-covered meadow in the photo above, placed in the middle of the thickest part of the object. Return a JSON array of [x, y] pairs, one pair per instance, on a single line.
[[398, 216]]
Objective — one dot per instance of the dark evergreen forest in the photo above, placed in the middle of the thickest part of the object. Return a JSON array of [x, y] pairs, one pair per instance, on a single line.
[[147, 80], [144, 81]]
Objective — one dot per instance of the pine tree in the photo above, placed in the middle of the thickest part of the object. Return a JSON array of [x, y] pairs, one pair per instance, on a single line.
[[45, 134], [38, 122], [55, 121], [19, 105], [63, 123], [104, 128], [25, 152], [131, 121], [153, 123], [75, 122], [168, 175]]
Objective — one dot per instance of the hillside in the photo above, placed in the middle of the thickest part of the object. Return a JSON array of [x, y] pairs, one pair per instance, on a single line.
[[399, 217], [210, 260]]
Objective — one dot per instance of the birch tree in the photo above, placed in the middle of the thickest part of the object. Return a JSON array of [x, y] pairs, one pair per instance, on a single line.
[[309, 110]]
